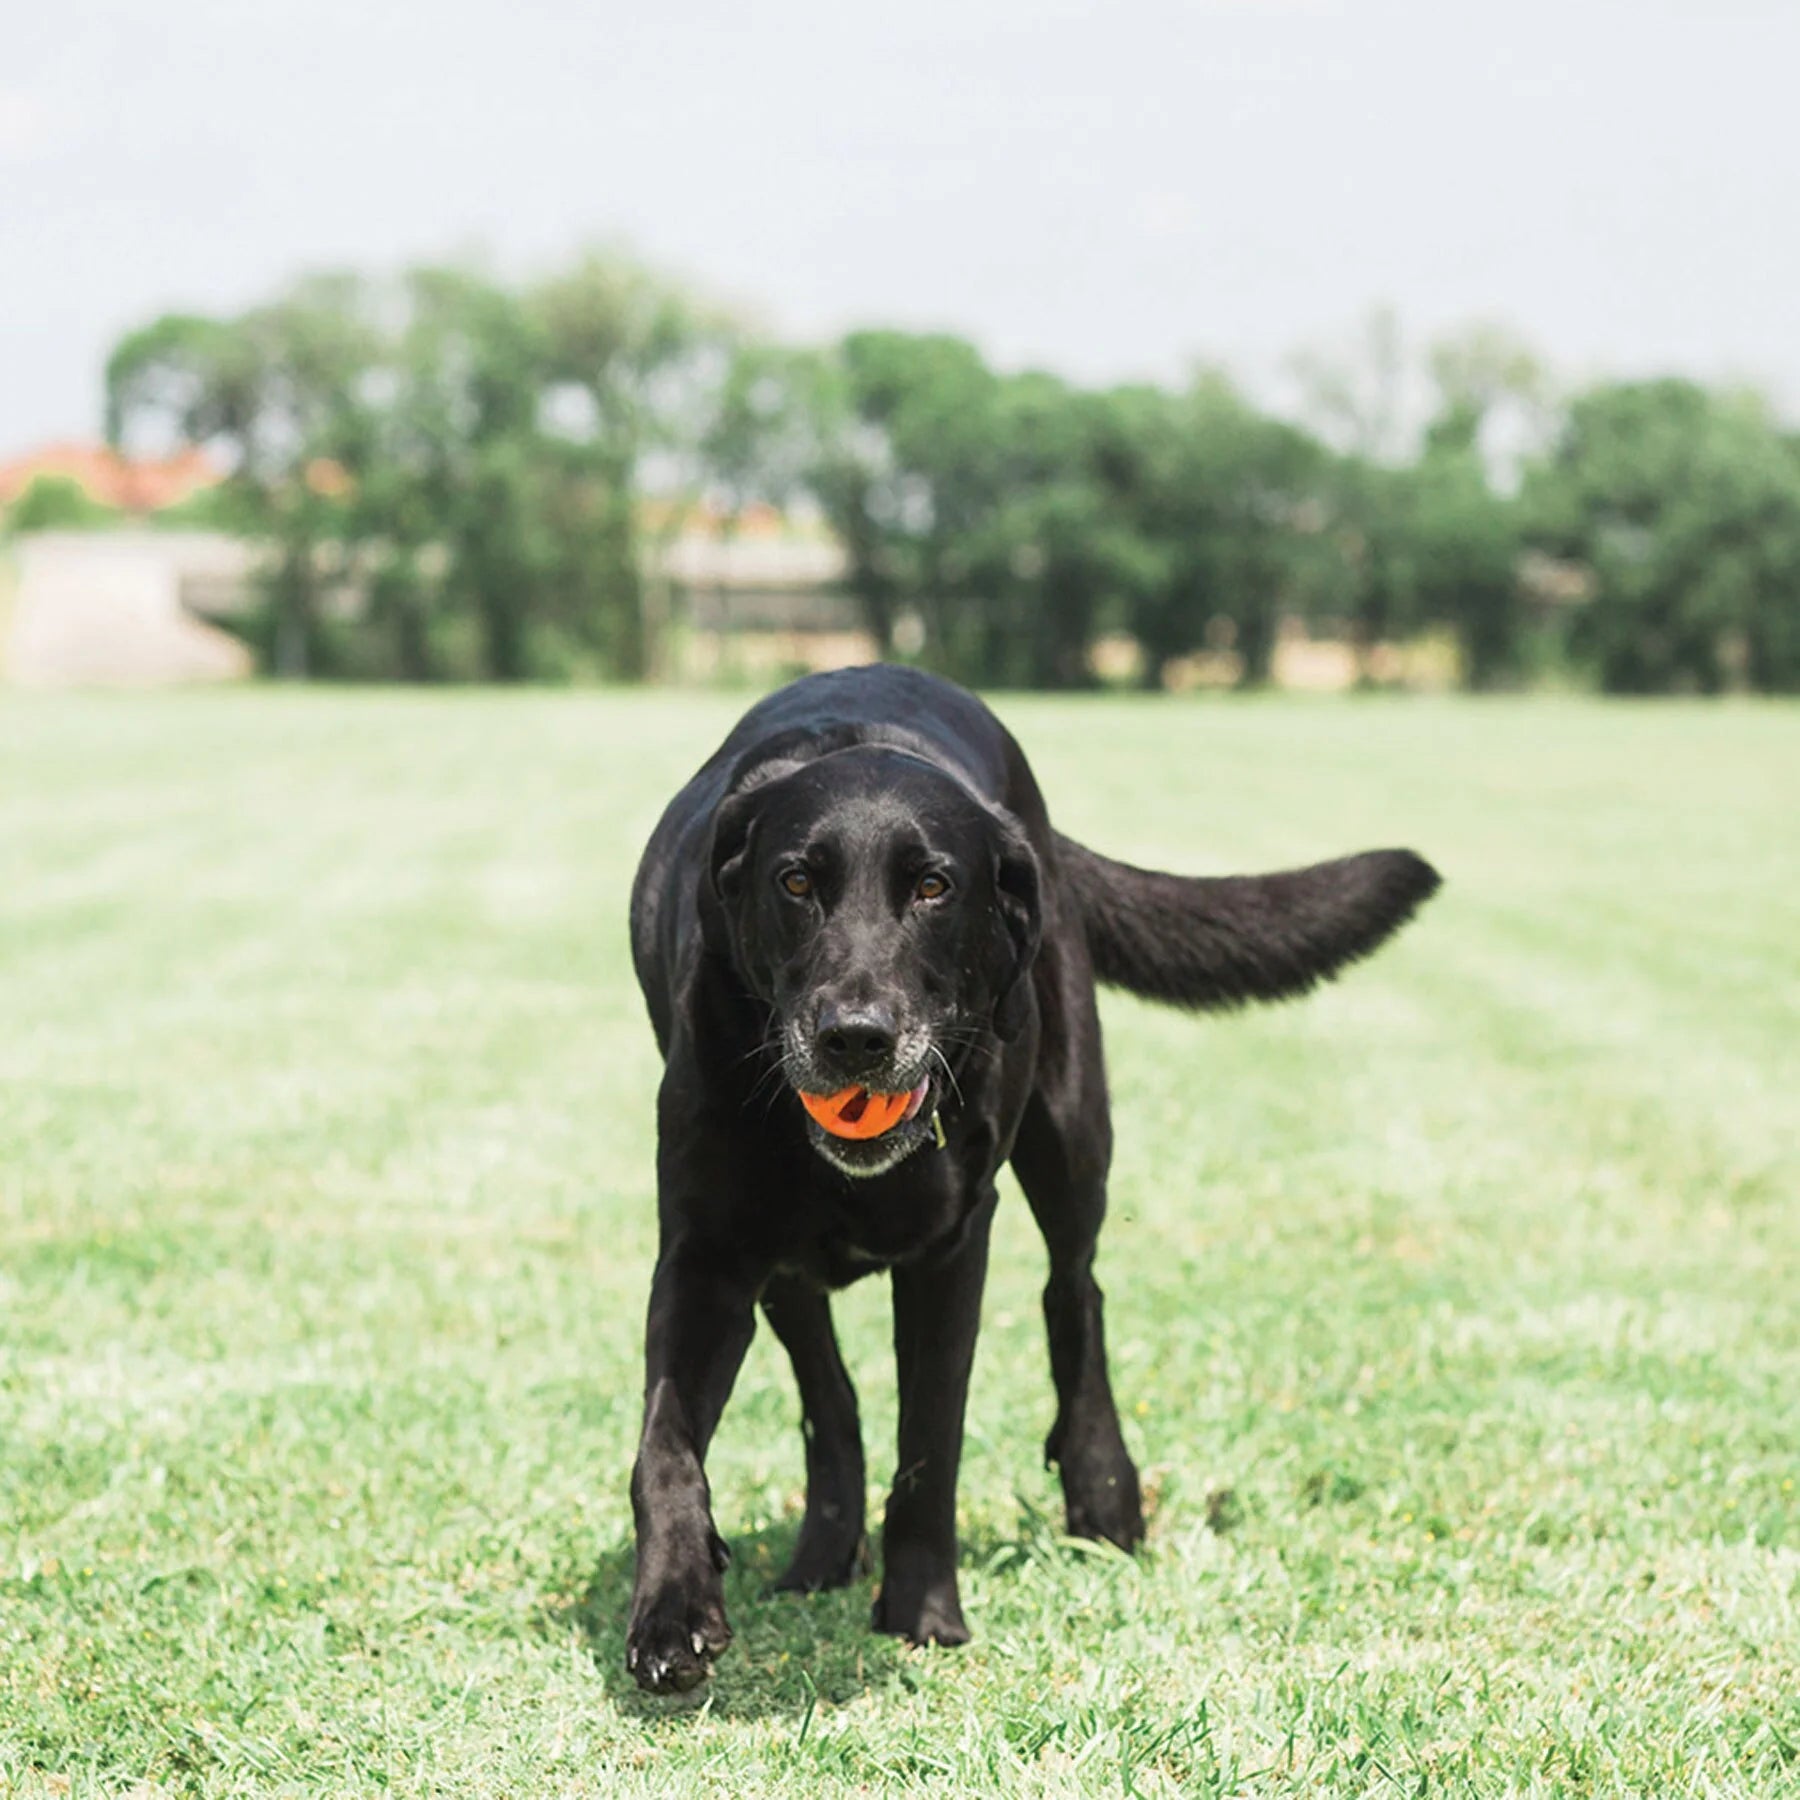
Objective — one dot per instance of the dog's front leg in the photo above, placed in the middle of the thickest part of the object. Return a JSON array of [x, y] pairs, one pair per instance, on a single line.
[[702, 1317], [937, 1311]]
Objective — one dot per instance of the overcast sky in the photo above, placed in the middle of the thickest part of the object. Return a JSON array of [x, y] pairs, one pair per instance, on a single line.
[[1108, 190]]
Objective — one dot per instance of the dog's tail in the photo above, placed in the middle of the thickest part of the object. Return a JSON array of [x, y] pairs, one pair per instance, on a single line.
[[1224, 941]]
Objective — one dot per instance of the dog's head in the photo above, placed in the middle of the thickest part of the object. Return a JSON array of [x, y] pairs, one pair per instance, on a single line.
[[889, 918]]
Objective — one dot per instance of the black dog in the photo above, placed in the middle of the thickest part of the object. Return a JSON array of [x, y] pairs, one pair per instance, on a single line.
[[870, 965]]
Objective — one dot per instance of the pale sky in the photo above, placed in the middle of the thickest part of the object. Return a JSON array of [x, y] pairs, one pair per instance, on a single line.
[[1107, 190]]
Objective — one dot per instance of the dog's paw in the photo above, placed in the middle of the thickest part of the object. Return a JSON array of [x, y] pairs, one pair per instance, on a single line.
[[1101, 1496], [929, 1614], [827, 1558], [673, 1640], [1109, 1508]]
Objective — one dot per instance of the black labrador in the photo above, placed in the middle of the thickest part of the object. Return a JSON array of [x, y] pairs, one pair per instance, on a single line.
[[870, 965]]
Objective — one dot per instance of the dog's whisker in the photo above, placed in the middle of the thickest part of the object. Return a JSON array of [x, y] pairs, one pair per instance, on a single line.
[[970, 1043], [770, 1079], [949, 1073]]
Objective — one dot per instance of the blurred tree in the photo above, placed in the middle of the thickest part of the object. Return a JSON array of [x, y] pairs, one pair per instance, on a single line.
[[1229, 503], [847, 466], [56, 503], [1493, 394], [929, 453], [471, 459], [765, 424], [1373, 586], [458, 467], [476, 453], [1685, 505], [1464, 561], [1422, 530], [632, 365], [975, 500], [277, 391], [761, 437], [1057, 557], [1493, 405]]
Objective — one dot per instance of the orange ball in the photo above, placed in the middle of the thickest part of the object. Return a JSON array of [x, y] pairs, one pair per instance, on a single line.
[[879, 1113]]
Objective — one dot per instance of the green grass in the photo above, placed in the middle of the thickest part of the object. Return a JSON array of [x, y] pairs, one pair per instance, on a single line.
[[1454, 1312]]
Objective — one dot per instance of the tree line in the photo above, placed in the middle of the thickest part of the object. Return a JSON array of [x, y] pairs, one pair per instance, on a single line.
[[491, 464]]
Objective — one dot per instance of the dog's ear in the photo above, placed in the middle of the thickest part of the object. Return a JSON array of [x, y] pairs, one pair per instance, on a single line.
[[727, 859], [1018, 899]]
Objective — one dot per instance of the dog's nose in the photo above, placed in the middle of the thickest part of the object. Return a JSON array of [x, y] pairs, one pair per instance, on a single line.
[[855, 1039]]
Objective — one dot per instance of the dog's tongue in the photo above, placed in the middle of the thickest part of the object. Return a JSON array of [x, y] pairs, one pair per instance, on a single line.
[[855, 1112]]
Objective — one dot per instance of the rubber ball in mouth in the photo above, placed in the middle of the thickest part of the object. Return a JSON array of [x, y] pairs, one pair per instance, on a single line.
[[856, 1112]]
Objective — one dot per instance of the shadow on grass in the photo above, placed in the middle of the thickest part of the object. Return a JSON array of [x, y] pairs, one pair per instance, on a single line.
[[789, 1653]]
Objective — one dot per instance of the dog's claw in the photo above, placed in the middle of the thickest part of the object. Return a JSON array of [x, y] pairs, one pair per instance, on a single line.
[[671, 1645], [838, 1564], [672, 1671], [662, 1677], [930, 1618]]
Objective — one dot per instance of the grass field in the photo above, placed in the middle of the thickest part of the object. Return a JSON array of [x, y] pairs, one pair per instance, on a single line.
[[1455, 1313]]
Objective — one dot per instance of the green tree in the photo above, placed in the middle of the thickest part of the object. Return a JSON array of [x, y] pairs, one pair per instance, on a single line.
[[760, 438], [56, 503], [1493, 394], [847, 467], [475, 455], [631, 368], [1228, 504], [457, 465], [974, 499], [277, 391], [1056, 558], [1493, 406], [922, 425], [1464, 561], [1685, 507]]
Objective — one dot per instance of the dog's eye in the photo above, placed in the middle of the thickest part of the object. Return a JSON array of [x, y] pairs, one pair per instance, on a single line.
[[931, 887], [796, 882]]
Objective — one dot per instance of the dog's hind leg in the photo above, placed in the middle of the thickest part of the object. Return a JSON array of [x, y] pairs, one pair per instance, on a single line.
[[1061, 1157], [832, 1550]]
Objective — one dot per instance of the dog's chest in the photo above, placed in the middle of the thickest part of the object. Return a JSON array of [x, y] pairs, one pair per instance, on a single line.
[[858, 1227]]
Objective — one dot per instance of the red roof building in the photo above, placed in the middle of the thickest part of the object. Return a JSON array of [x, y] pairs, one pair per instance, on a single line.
[[140, 485]]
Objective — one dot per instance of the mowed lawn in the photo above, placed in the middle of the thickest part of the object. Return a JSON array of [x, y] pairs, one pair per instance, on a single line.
[[1455, 1312]]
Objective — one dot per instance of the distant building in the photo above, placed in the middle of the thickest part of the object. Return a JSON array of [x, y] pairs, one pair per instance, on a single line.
[[748, 597], [751, 595], [127, 484], [108, 609]]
